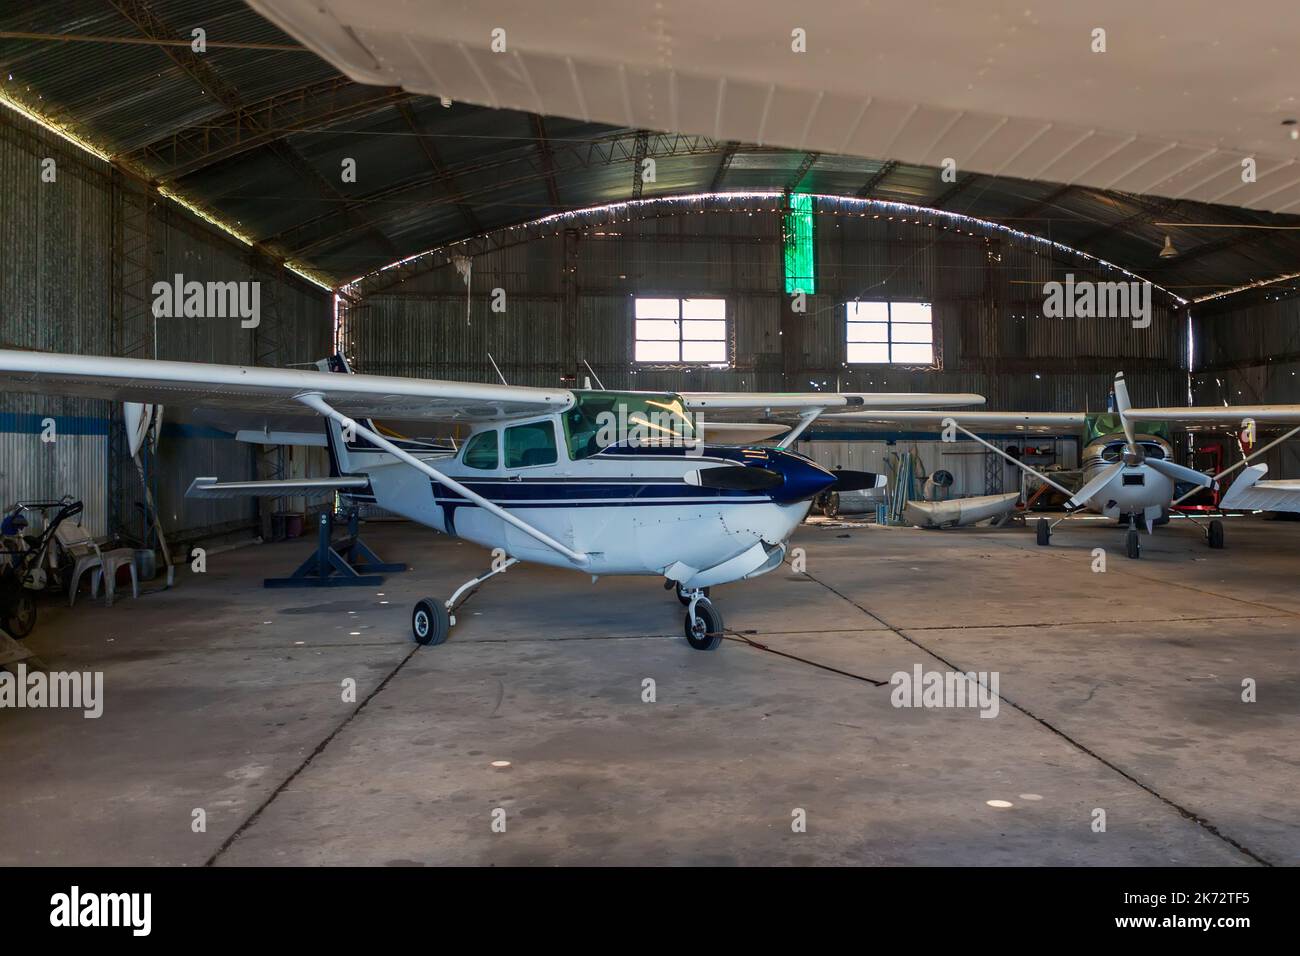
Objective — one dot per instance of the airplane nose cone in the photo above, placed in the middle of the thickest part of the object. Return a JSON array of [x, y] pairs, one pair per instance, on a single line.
[[804, 479]]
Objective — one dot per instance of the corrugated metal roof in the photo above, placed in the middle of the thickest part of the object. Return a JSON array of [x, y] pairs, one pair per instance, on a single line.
[[428, 175]]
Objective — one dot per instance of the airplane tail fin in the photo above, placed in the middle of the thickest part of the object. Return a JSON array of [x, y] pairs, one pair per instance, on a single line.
[[342, 448], [350, 453]]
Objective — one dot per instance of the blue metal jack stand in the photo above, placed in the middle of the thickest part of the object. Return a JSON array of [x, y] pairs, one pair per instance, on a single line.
[[345, 564]]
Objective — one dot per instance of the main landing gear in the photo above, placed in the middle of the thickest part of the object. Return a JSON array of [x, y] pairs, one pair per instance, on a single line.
[[704, 627], [432, 620], [1214, 534]]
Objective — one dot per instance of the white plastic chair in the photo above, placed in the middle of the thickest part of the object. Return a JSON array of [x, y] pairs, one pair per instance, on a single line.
[[77, 542], [112, 560]]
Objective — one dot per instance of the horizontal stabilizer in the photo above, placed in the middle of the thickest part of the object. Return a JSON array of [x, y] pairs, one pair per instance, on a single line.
[[268, 437], [307, 487]]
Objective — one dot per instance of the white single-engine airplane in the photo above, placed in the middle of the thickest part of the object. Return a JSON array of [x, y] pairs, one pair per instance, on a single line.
[[603, 482], [1126, 474]]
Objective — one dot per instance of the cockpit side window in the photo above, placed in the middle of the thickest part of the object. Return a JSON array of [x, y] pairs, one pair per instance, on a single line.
[[481, 451], [600, 419], [530, 444]]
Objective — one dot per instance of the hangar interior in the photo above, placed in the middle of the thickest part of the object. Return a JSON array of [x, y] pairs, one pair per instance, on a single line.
[[358, 209]]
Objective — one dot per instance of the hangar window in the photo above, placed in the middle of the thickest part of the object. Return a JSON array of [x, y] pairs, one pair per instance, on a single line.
[[681, 331], [890, 333]]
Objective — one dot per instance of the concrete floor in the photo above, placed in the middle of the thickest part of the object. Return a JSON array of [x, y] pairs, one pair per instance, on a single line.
[[1119, 691]]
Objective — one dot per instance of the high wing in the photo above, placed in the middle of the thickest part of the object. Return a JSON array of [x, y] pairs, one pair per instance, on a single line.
[[1047, 423], [831, 401], [1219, 415], [272, 392]]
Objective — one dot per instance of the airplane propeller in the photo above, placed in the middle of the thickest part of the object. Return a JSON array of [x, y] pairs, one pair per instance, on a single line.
[[857, 480], [758, 478], [729, 478], [1134, 455]]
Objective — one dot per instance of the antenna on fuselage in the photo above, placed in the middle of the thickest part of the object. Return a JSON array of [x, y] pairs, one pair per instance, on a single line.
[[593, 374], [494, 365]]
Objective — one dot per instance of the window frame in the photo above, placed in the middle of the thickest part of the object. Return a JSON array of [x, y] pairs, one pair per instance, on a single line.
[[555, 444], [889, 323], [475, 437], [682, 341]]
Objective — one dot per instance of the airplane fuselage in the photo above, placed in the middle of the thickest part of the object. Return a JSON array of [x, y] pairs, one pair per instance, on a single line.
[[1136, 489], [630, 509]]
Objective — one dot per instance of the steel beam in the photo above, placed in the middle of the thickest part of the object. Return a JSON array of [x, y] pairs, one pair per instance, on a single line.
[[444, 178], [235, 132], [877, 178]]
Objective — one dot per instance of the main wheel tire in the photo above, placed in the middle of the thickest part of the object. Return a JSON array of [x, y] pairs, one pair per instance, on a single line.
[[1216, 534], [685, 598], [22, 616], [1133, 544], [706, 634], [430, 622], [1044, 531]]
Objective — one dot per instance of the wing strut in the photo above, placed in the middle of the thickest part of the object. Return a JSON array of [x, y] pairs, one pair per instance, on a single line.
[[317, 404], [1231, 468], [806, 419], [1019, 464]]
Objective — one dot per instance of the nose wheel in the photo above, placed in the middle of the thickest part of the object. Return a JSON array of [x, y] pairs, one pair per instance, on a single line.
[[430, 622], [704, 627]]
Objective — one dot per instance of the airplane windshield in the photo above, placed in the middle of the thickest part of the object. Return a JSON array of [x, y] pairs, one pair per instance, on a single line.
[[600, 419]]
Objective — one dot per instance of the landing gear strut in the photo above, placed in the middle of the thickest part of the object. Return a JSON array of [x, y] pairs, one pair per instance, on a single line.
[[1132, 543], [683, 594], [432, 620]]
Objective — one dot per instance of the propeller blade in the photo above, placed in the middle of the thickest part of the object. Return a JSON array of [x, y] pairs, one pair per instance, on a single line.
[[1180, 472], [735, 478], [857, 480], [1122, 405], [1081, 497]]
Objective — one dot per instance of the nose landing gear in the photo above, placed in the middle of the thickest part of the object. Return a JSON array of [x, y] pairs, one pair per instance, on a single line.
[[683, 594], [704, 627]]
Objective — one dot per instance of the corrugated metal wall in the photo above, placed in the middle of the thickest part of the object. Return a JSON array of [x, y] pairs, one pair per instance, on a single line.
[[569, 299], [1248, 353], [987, 293], [63, 246]]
